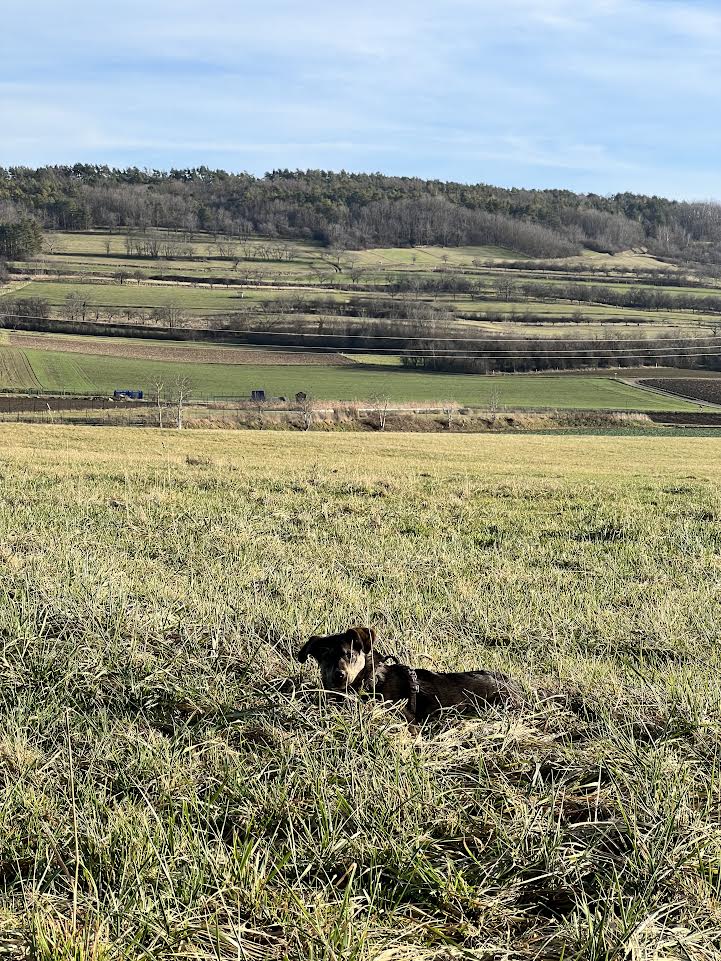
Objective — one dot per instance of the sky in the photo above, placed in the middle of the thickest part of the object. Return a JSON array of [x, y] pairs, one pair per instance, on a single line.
[[591, 95]]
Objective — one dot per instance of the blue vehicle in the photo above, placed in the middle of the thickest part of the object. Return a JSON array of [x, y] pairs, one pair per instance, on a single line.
[[128, 394]]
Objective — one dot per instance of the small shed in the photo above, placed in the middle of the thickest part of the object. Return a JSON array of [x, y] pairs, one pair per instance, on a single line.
[[257, 395]]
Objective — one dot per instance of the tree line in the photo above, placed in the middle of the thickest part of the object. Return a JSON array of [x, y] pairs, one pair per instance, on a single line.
[[488, 355], [354, 210], [635, 297]]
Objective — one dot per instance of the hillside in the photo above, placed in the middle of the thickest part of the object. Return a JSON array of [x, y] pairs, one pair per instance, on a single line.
[[352, 211]]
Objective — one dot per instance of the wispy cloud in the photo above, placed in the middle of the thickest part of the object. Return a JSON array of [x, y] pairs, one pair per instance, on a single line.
[[602, 95]]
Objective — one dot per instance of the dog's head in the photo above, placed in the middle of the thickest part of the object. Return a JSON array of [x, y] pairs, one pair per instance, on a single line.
[[341, 657]]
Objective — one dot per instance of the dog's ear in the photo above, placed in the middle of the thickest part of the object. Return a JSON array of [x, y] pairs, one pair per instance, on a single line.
[[365, 636], [309, 649]]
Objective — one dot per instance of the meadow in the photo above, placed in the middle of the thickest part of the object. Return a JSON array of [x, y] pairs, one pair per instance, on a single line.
[[35, 368], [169, 794]]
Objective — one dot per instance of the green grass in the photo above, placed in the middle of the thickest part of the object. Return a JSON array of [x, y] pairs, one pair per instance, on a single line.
[[16, 370], [433, 257], [78, 373], [376, 360], [163, 797], [139, 296]]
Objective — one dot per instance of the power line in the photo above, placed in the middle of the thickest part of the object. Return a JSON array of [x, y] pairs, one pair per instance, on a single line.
[[712, 351], [450, 352]]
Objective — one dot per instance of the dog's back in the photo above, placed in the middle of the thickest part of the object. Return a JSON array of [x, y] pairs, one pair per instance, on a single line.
[[436, 691]]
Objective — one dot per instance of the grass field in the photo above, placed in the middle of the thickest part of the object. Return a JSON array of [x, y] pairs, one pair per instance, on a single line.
[[137, 296], [54, 370], [16, 370], [163, 798]]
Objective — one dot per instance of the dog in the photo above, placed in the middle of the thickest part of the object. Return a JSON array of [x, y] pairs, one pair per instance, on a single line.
[[349, 662]]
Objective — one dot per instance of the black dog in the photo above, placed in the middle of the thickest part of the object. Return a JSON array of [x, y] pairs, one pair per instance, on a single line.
[[349, 662]]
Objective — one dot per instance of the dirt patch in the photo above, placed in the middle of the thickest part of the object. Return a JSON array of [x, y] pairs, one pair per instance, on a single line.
[[674, 419], [695, 388], [177, 353], [19, 404]]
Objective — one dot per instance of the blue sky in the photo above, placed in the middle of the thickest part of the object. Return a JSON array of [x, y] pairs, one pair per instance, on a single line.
[[593, 95]]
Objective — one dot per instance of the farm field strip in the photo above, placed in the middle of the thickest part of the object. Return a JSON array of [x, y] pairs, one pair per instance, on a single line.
[[64, 373], [16, 370], [296, 277], [191, 354], [84, 373]]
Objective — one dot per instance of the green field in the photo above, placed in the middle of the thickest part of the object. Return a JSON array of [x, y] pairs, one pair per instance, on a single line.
[[16, 370], [138, 296], [89, 374], [164, 796]]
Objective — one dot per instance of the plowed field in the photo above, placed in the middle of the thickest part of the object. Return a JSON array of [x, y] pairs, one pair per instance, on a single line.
[[707, 389], [177, 352]]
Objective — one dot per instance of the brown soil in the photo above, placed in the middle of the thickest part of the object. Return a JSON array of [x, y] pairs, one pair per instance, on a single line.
[[19, 404], [175, 353], [676, 419], [695, 388]]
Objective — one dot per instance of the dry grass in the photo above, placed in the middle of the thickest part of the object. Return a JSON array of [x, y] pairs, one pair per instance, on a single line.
[[164, 796]]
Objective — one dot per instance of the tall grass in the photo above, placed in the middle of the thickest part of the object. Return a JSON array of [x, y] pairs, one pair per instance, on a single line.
[[168, 794]]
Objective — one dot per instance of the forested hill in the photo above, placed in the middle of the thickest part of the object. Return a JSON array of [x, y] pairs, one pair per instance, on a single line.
[[356, 210]]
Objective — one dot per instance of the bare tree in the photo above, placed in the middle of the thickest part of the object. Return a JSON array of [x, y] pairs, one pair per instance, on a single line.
[[225, 248], [507, 289], [76, 305], [181, 393], [169, 315], [380, 404], [494, 403], [449, 410], [159, 391], [259, 405], [306, 406]]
